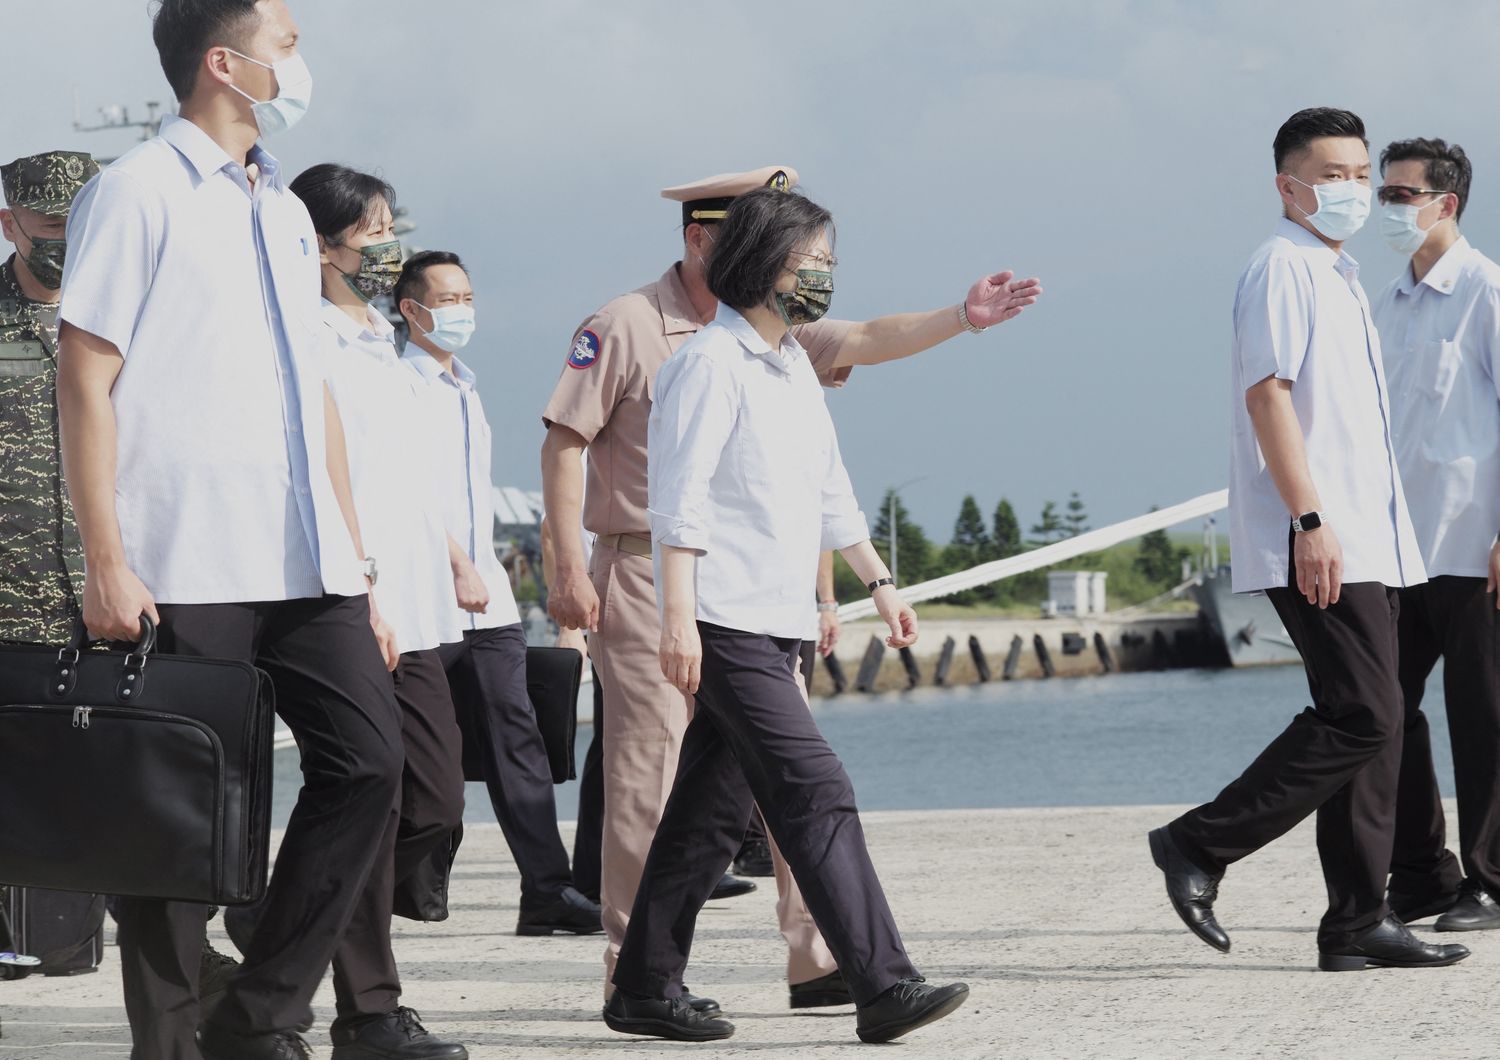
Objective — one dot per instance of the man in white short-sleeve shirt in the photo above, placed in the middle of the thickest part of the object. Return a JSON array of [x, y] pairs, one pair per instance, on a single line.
[[1439, 322], [486, 664], [1319, 523], [212, 495]]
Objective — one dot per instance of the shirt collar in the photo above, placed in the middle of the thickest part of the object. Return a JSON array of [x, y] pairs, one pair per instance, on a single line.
[[376, 327], [427, 366], [677, 314], [735, 323], [1318, 250], [1443, 275], [207, 157]]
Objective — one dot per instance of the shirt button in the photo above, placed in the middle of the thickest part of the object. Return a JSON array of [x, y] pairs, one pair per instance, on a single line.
[[293, 429], [302, 490]]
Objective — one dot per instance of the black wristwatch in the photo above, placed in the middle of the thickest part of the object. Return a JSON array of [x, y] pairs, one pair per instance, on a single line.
[[1311, 521], [878, 582]]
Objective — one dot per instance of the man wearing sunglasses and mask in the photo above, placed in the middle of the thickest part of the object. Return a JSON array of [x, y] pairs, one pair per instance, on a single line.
[[1439, 326]]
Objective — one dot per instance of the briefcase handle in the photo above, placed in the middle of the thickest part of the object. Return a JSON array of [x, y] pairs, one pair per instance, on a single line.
[[79, 638], [133, 676]]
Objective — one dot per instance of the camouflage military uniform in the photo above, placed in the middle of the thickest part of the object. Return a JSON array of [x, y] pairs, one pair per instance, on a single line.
[[41, 558]]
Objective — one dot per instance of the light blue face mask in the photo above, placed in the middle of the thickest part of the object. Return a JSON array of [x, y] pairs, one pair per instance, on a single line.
[[1343, 207], [452, 326], [293, 94], [1399, 228]]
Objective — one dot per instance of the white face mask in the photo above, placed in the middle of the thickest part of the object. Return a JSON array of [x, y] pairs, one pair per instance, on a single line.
[[1399, 228], [293, 94], [1343, 207], [452, 326]]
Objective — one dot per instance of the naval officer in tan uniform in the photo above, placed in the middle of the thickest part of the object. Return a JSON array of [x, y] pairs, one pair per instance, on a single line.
[[601, 403]]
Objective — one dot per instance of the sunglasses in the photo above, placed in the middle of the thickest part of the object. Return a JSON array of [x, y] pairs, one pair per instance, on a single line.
[[1399, 194]]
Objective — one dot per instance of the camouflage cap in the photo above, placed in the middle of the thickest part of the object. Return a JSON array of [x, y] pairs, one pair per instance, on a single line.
[[47, 182]]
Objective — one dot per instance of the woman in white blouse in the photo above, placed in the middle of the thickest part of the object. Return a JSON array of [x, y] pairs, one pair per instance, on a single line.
[[388, 426], [746, 486]]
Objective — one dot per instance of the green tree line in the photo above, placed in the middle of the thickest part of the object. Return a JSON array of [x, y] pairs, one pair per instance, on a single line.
[[1138, 570]]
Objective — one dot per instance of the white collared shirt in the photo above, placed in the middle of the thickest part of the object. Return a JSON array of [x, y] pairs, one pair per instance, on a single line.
[[1301, 315], [208, 287], [391, 429], [744, 469], [1441, 339], [463, 474]]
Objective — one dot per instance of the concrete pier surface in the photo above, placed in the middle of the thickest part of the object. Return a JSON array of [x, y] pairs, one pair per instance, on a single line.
[[1055, 917]]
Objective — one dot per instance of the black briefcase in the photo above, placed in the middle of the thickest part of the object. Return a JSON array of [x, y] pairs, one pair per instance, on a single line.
[[132, 773], [553, 676], [552, 679]]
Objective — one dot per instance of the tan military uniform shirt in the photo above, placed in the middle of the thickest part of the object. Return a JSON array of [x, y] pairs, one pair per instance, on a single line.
[[606, 387], [41, 558]]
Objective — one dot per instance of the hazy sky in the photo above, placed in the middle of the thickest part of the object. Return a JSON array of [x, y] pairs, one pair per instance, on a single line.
[[1118, 150]]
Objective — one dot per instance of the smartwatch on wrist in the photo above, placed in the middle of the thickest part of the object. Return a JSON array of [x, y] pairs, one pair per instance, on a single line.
[[1310, 521]]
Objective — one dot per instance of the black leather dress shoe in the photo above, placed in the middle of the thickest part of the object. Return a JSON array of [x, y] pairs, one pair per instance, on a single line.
[[569, 911], [1475, 910], [215, 970], [399, 1036], [731, 887], [754, 859], [706, 1005], [661, 1018], [1409, 908], [1191, 890], [903, 1008], [826, 991], [1389, 944], [217, 1044]]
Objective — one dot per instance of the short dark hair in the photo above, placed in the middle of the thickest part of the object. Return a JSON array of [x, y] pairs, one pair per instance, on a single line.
[[339, 198], [414, 273], [759, 232], [1447, 165], [1311, 124], [185, 29]]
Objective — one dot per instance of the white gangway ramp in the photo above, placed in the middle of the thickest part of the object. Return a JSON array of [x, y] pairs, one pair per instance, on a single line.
[[1046, 556]]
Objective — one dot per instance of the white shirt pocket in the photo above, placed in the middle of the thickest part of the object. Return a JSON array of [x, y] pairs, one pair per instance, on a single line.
[[1441, 361]]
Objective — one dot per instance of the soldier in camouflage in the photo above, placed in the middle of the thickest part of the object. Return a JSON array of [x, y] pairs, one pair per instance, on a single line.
[[41, 559]]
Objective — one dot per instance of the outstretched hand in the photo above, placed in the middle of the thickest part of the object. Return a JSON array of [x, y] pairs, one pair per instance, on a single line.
[[998, 298]]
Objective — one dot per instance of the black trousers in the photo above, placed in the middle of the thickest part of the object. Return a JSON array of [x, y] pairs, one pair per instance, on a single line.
[[588, 840], [489, 668], [1453, 619], [1340, 757], [753, 740], [333, 691]]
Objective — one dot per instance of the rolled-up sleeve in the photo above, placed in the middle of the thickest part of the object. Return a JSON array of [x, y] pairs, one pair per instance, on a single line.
[[114, 237], [1273, 320], [691, 419], [843, 523]]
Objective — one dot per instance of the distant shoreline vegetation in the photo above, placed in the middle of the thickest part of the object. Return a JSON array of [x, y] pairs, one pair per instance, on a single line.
[[1139, 570]]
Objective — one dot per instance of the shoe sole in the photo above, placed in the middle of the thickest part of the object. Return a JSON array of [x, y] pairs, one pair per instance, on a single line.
[[539, 930], [1159, 856], [1335, 962], [663, 1029], [1486, 925], [889, 1032], [824, 999]]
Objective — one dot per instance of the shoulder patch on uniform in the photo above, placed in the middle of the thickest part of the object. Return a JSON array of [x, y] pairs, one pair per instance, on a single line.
[[585, 350]]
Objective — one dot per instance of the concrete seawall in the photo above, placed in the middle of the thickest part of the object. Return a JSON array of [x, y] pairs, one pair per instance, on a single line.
[[1055, 917]]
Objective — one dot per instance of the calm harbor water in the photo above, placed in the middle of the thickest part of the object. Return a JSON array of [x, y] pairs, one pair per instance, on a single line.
[[1126, 739]]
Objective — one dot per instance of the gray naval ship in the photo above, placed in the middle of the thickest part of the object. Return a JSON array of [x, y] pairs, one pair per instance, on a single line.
[[1247, 624]]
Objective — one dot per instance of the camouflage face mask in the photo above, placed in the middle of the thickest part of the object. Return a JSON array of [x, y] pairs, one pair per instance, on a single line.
[[809, 300], [46, 259], [379, 269]]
